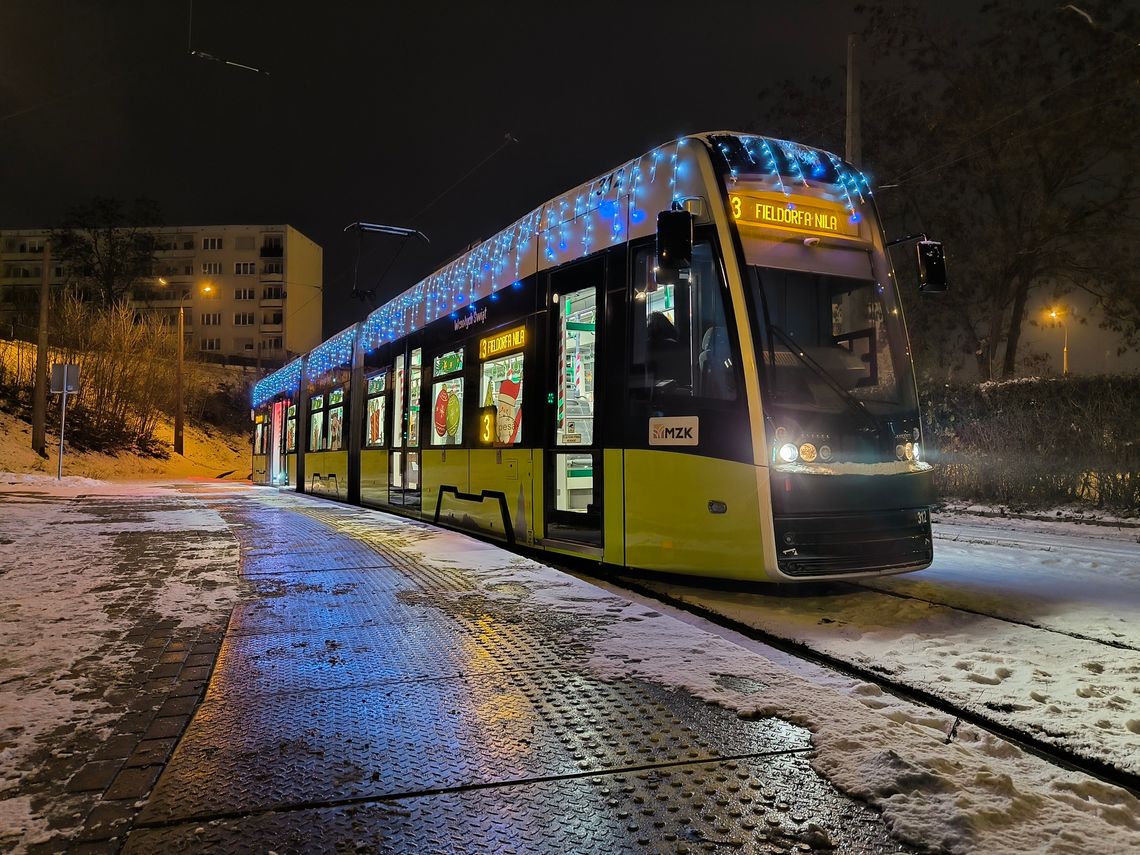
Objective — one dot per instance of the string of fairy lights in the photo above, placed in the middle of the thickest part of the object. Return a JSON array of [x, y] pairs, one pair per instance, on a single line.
[[614, 202]]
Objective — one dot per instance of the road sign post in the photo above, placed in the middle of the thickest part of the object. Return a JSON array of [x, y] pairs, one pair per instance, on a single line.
[[64, 381]]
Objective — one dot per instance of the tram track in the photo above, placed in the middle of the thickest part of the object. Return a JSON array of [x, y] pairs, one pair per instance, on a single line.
[[1034, 744], [1077, 636]]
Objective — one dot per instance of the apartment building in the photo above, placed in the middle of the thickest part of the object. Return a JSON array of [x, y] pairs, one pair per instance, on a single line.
[[249, 293]]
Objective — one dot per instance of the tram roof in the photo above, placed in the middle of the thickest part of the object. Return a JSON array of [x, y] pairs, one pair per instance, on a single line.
[[609, 209]]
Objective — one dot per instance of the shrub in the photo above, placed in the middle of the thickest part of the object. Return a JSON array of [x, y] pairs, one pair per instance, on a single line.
[[1037, 442]]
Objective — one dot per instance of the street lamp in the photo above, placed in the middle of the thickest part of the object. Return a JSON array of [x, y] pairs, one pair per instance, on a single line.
[[180, 405], [1058, 316], [179, 447]]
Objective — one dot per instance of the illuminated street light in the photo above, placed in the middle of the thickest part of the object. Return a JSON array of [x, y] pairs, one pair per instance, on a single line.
[[1058, 316], [179, 407]]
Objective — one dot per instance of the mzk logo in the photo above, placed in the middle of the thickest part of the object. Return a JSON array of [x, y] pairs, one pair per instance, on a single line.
[[678, 430]]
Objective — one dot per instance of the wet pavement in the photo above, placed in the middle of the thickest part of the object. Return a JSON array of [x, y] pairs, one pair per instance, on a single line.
[[367, 699], [384, 686]]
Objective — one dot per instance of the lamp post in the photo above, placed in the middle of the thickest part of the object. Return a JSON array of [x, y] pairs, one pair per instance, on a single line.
[[179, 447], [1059, 317]]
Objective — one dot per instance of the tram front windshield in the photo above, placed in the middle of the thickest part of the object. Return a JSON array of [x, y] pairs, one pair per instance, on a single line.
[[829, 342]]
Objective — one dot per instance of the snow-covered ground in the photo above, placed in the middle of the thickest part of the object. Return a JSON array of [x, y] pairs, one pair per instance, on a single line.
[[955, 791], [70, 590], [209, 453], [1034, 624], [965, 792]]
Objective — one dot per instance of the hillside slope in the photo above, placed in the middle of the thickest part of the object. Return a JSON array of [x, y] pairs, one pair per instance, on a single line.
[[209, 454]]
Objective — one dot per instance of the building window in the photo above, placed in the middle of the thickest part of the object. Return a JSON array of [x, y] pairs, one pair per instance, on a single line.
[[212, 243], [211, 319], [245, 268], [272, 292], [273, 242], [211, 344], [271, 318], [243, 293], [273, 268], [271, 343], [211, 268], [243, 319]]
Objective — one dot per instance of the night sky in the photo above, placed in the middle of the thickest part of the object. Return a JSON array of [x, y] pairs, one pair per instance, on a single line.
[[371, 110]]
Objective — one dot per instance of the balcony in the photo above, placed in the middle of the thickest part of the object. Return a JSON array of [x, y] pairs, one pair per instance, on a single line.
[[272, 276], [272, 327], [272, 302], [273, 252]]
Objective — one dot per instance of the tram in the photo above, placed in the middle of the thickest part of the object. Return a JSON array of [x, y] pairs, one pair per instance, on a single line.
[[695, 363]]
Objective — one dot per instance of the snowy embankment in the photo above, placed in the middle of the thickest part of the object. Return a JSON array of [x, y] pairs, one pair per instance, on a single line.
[[1027, 623], [73, 585], [209, 454], [969, 792]]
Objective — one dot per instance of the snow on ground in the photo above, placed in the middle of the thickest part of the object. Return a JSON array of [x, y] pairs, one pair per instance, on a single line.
[[71, 587], [208, 454], [1067, 671], [957, 790]]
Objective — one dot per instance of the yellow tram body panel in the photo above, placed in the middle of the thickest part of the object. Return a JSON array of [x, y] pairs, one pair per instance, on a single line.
[[260, 474], [670, 526], [374, 476], [509, 471], [326, 473]]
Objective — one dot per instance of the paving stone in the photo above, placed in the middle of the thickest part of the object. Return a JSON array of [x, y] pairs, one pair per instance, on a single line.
[[133, 783], [96, 775], [165, 727]]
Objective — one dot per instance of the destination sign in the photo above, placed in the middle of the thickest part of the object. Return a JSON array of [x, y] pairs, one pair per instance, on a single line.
[[493, 345], [781, 214]]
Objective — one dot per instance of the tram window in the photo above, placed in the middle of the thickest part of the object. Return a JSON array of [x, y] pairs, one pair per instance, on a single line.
[[336, 420], [259, 436], [316, 422], [501, 396], [447, 412], [398, 392], [575, 410], [681, 343], [291, 429], [415, 376], [375, 410]]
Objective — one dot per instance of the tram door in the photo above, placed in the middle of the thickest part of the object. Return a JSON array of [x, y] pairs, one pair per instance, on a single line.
[[573, 477], [277, 472], [404, 465]]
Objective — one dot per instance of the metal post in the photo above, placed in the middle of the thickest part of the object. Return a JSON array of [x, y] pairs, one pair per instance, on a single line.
[[1065, 352], [62, 424], [178, 446], [39, 395], [854, 150]]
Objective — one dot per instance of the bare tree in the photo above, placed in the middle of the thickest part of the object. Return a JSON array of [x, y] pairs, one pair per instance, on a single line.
[[108, 246]]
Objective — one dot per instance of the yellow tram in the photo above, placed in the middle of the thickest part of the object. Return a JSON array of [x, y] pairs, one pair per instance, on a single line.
[[695, 363]]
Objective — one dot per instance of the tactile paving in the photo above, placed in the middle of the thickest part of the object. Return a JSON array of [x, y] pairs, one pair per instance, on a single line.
[[368, 700], [766, 805], [255, 753]]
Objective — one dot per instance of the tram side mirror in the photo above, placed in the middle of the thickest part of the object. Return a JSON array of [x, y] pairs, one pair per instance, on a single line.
[[674, 247], [931, 267]]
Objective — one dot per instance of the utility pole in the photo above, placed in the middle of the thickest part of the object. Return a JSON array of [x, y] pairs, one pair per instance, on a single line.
[[39, 394], [854, 151], [179, 448]]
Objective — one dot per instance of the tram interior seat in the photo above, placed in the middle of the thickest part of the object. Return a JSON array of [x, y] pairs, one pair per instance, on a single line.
[[668, 359], [717, 380]]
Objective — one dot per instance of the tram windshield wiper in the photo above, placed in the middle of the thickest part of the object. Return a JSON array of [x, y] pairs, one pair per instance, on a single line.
[[853, 403]]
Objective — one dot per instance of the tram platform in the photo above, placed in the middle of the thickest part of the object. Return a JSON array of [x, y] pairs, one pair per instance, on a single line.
[[391, 687]]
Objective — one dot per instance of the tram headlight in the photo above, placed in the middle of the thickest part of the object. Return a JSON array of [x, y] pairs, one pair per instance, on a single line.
[[807, 452], [789, 452], [908, 451], [900, 451], [825, 453], [917, 453]]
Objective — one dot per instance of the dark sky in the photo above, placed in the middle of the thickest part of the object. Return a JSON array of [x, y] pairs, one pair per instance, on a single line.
[[373, 109]]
